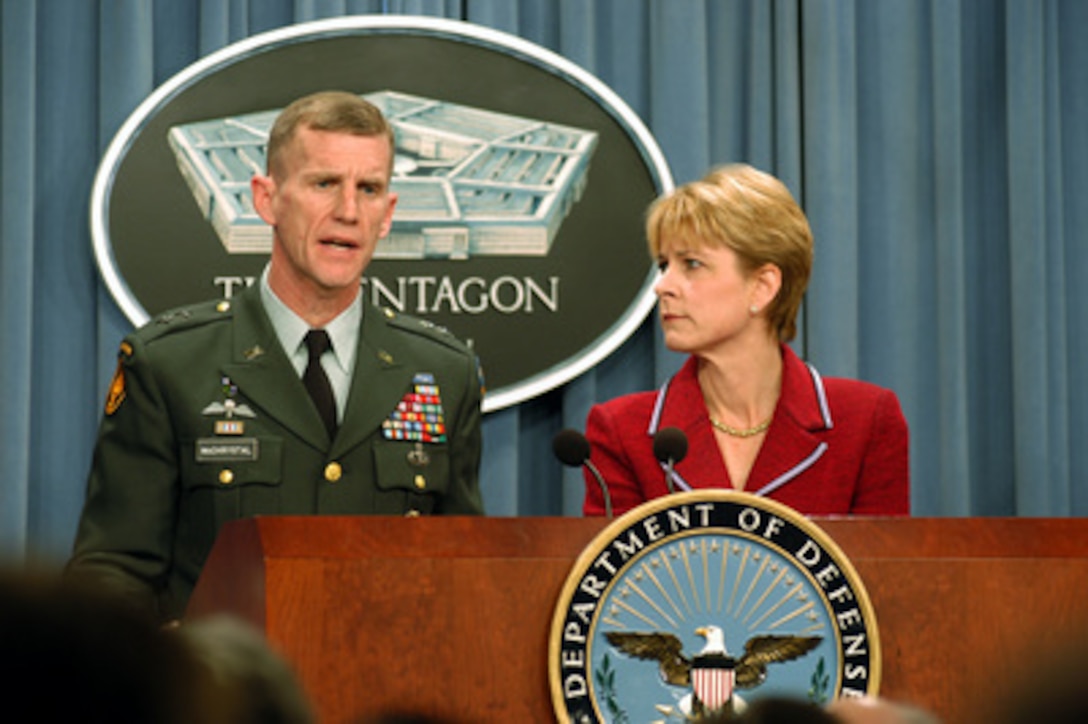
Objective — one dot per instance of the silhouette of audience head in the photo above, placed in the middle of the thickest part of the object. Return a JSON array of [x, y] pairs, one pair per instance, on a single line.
[[72, 654], [1052, 688], [408, 717], [874, 710], [780, 710], [247, 681]]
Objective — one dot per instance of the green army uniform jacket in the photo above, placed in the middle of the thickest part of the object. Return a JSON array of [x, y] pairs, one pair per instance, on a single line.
[[171, 466]]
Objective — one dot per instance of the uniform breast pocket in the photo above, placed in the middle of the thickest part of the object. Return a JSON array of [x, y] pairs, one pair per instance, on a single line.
[[410, 477], [226, 479]]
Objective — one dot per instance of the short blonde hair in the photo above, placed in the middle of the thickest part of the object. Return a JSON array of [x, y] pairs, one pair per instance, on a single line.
[[751, 212]]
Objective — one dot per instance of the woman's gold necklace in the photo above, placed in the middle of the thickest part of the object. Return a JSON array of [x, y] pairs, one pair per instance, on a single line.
[[740, 432]]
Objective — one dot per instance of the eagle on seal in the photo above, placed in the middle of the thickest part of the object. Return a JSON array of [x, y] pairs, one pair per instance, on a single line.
[[748, 671]]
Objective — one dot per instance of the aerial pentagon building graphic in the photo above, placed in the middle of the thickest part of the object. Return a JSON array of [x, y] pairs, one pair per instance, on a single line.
[[470, 182]]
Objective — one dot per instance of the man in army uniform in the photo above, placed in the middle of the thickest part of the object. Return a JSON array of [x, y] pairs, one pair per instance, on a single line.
[[234, 408]]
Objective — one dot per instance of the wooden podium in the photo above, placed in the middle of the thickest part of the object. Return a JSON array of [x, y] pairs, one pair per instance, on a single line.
[[452, 616]]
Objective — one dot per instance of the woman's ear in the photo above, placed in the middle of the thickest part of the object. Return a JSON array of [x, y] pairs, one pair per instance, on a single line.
[[766, 283]]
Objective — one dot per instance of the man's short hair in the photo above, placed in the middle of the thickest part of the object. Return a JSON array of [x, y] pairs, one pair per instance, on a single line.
[[337, 111]]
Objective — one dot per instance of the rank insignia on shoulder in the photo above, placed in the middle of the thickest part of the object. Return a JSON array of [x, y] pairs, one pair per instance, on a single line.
[[175, 315], [418, 417], [116, 394]]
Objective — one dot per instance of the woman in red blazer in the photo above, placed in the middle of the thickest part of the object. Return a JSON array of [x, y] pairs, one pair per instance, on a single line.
[[735, 254]]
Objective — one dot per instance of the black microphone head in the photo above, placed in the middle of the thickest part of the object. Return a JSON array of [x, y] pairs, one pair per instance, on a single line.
[[670, 445], [571, 447]]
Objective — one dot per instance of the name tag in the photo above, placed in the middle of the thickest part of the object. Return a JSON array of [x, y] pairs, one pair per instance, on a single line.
[[217, 450]]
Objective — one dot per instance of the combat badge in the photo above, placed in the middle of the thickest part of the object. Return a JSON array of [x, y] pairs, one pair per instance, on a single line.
[[418, 457], [116, 394], [418, 417], [229, 408], [690, 605]]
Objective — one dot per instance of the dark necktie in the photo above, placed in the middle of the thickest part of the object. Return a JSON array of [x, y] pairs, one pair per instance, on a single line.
[[317, 382]]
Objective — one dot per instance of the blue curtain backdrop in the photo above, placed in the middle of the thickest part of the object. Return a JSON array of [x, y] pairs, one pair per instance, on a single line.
[[940, 148]]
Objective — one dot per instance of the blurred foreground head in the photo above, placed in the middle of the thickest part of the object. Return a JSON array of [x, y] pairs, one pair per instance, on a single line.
[[69, 654], [408, 717], [781, 710], [873, 710], [248, 681], [1053, 687]]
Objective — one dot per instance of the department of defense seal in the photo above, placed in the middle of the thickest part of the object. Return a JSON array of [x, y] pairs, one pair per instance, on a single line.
[[694, 604]]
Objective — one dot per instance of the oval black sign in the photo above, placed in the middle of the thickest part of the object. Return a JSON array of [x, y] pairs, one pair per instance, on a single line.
[[522, 179]]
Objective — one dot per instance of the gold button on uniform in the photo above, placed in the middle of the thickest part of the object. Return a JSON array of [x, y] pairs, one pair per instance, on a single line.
[[421, 482], [226, 476], [333, 471]]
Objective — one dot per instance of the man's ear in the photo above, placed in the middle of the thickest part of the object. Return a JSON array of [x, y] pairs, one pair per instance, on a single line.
[[263, 189], [387, 222]]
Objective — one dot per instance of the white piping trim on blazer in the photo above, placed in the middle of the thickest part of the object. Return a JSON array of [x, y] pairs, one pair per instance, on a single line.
[[821, 395], [678, 482], [794, 471], [825, 412]]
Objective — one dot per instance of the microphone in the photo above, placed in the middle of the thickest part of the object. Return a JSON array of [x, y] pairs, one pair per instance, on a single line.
[[670, 447], [572, 449]]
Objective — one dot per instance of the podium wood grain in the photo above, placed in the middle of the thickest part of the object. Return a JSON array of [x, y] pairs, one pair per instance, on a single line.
[[451, 616]]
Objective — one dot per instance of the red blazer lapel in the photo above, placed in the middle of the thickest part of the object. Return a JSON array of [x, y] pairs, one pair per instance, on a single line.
[[685, 409], [794, 441], [796, 437]]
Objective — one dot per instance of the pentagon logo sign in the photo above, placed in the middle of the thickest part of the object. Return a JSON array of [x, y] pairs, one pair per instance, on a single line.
[[519, 176], [694, 604]]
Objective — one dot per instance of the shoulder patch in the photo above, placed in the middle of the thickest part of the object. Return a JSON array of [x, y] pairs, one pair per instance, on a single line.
[[116, 394]]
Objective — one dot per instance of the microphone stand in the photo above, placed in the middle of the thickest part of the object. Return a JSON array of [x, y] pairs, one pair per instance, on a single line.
[[668, 476], [604, 488]]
